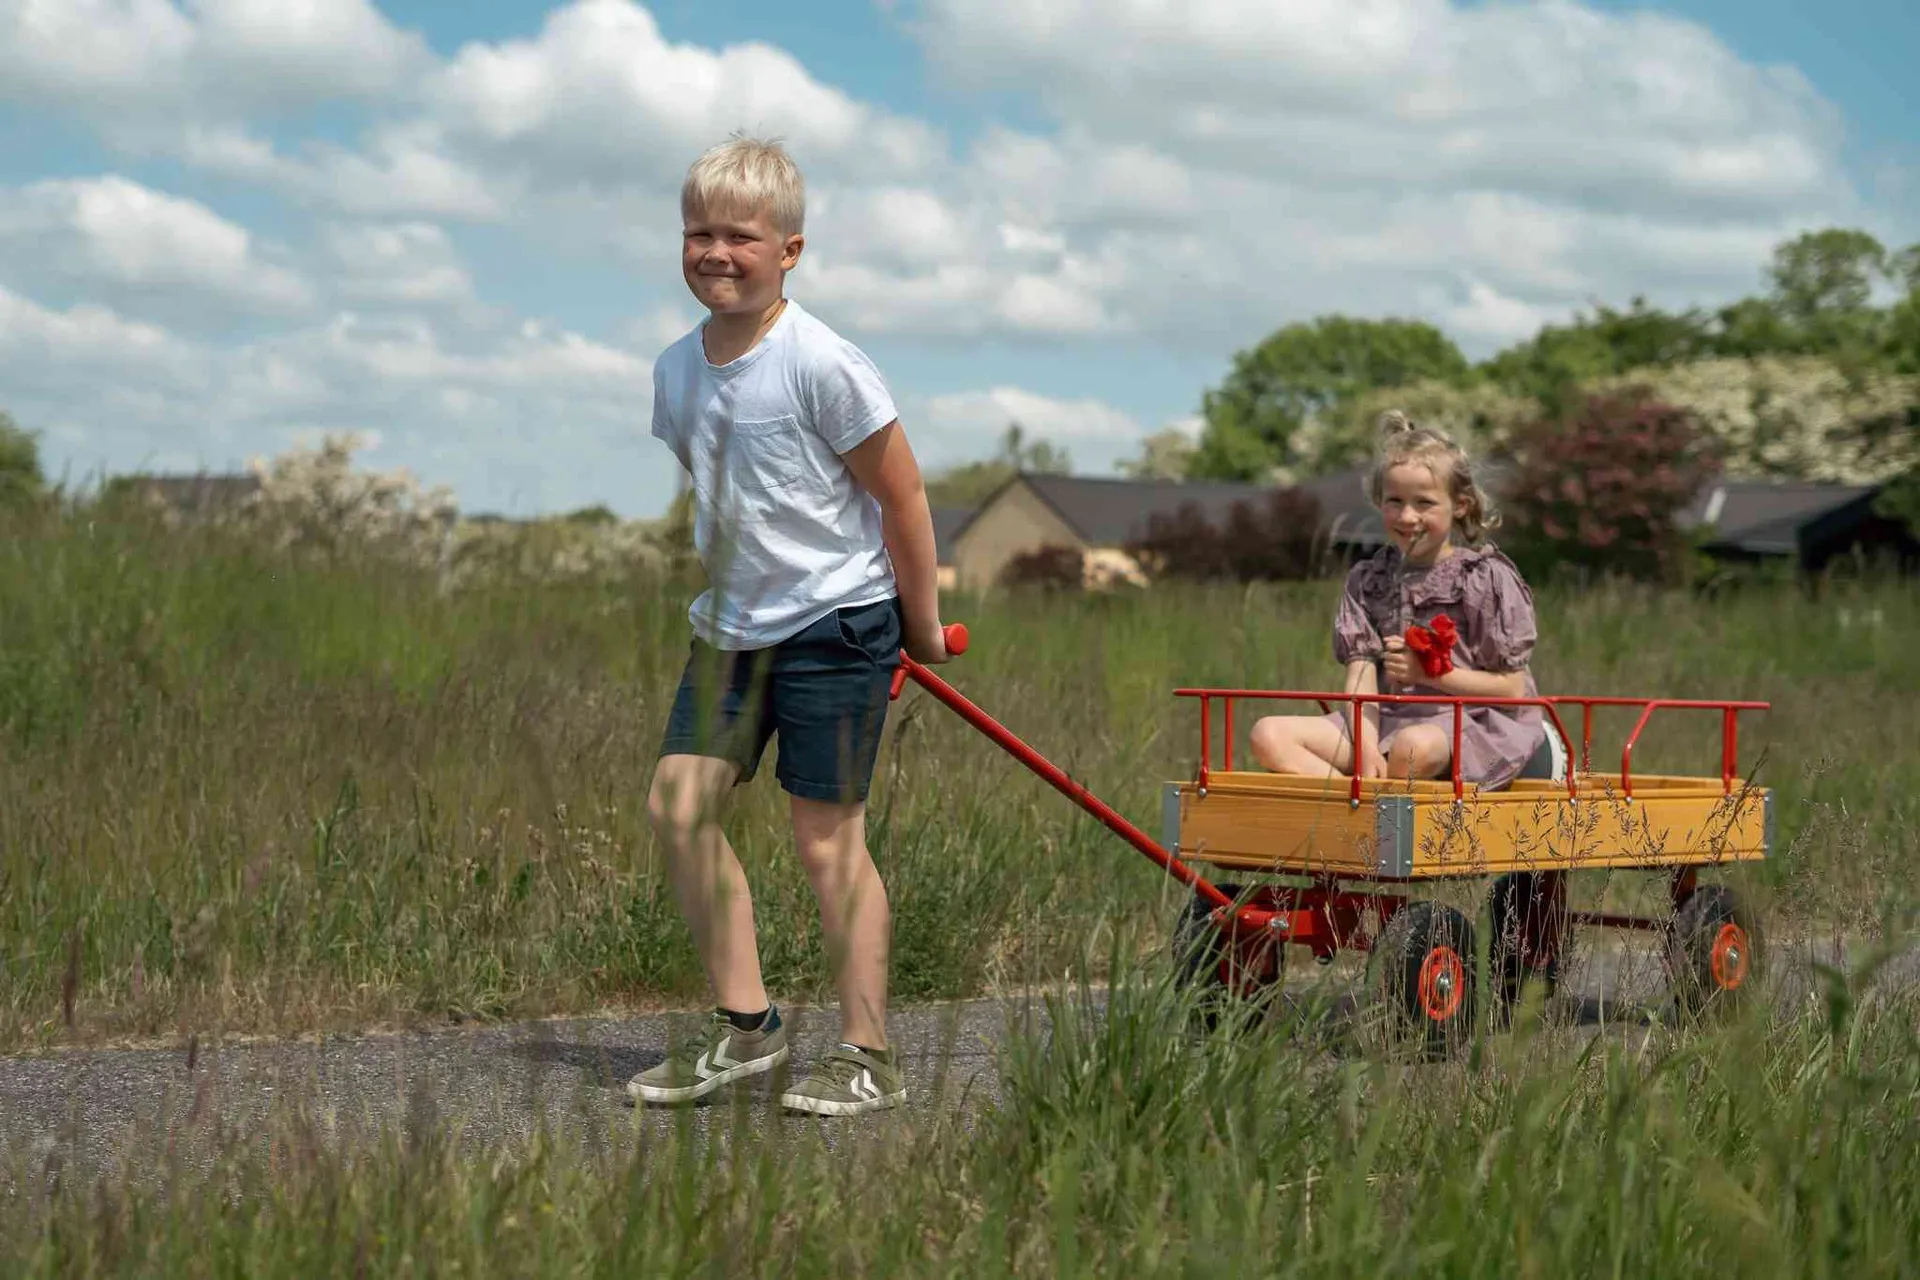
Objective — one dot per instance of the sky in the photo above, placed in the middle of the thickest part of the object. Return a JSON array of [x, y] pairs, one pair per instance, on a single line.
[[229, 227]]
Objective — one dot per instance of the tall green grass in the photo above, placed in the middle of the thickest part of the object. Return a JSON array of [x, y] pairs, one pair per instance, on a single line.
[[1786, 1144], [239, 791]]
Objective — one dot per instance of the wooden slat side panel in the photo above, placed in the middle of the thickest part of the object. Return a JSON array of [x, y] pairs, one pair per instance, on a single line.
[[1546, 834], [1285, 832]]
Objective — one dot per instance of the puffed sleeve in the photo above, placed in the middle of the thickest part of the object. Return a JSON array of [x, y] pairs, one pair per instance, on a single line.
[[1354, 636], [1501, 630]]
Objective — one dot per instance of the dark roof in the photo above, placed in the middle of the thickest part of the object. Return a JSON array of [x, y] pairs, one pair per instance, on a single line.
[[1110, 511], [1767, 517], [947, 523]]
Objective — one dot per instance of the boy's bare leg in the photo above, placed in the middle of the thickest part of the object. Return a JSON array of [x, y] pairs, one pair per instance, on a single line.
[[707, 878], [854, 916]]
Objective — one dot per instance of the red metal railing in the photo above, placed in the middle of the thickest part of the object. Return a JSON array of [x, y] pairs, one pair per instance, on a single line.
[[1729, 729]]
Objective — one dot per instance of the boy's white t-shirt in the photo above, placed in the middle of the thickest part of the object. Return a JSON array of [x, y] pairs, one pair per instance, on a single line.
[[785, 532]]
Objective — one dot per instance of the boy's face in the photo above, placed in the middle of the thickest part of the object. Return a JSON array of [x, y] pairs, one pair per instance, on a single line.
[[734, 262]]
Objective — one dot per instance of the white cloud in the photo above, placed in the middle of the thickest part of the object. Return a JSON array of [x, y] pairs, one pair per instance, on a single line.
[[601, 96], [1199, 174], [964, 425], [116, 235], [525, 418], [1393, 92], [136, 66], [410, 263]]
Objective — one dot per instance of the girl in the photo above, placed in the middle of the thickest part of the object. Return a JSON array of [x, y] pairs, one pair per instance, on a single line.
[[1436, 564]]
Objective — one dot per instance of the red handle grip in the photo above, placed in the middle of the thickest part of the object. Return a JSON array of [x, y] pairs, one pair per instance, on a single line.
[[954, 633]]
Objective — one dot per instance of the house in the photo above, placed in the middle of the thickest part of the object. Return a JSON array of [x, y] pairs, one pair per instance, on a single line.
[[1755, 521], [1738, 520], [1102, 514], [947, 522]]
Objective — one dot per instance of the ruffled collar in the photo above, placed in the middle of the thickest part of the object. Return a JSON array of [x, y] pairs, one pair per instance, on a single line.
[[1439, 581]]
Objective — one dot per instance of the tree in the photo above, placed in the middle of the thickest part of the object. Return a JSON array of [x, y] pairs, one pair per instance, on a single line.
[[1602, 488], [1903, 323], [1822, 273], [1823, 286], [1304, 369], [1803, 417], [21, 480], [1164, 455], [1552, 364], [1053, 568], [1277, 539], [969, 484], [1479, 417]]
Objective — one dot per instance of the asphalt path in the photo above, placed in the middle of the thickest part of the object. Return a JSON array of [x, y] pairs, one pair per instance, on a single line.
[[488, 1087]]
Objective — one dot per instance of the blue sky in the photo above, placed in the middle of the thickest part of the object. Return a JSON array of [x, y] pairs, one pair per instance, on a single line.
[[227, 227]]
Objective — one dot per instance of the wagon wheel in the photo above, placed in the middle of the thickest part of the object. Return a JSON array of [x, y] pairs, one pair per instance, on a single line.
[[1207, 965], [1527, 915], [1714, 951], [1422, 976]]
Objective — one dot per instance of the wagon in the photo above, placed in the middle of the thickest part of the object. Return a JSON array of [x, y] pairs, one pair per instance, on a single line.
[[1330, 865]]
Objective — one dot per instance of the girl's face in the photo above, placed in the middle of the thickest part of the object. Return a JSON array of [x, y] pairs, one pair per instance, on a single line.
[[1418, 511]]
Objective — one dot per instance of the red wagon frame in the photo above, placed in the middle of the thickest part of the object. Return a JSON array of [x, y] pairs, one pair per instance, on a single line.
[[1330, 912]]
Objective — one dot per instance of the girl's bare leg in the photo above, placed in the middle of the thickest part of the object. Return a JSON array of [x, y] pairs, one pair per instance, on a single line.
[[1305, 745], [1419, 751]]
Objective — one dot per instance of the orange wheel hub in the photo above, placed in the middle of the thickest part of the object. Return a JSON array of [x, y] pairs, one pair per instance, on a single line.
[[1443, 983], [1729, 957]]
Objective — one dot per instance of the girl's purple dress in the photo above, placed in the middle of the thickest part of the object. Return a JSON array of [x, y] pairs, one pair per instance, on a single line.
[[1491, 608]]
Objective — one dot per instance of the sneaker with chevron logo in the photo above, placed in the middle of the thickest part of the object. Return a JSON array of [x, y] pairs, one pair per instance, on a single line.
[[851, 1081], [716, 1055]]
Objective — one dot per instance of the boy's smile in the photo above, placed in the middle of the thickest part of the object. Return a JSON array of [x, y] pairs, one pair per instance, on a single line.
[[735, 265]]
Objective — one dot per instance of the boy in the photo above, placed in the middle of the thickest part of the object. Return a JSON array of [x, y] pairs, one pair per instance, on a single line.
[[813, 525]]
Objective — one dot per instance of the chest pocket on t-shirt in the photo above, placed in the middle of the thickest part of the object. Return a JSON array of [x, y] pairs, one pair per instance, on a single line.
[[765, 455]]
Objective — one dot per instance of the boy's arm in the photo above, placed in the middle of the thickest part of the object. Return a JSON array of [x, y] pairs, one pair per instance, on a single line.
[[884, 465]]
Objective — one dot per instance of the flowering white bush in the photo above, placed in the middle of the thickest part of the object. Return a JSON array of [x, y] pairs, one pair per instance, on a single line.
[[1479, 418], [1800, 417], [553, 550], [1791, 417], [313, 500]]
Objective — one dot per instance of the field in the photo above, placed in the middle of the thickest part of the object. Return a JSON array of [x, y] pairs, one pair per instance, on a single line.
[[245, 795]]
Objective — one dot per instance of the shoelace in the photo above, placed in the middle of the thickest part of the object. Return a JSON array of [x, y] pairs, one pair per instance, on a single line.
[[689, 1050]]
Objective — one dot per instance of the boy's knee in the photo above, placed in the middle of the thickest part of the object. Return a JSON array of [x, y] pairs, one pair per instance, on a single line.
[[678, 801], [828, 837]]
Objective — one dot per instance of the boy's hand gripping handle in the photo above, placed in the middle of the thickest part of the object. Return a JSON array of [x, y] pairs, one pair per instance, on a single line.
[[955, 634]]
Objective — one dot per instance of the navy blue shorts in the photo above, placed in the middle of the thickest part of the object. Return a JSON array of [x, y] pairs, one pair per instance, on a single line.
[[823, 691]]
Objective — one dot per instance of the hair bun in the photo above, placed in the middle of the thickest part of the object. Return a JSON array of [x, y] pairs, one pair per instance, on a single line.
[[1395, 422]]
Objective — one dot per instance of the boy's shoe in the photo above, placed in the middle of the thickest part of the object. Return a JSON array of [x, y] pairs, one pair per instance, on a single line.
[[849, 1082], [718, 1054]]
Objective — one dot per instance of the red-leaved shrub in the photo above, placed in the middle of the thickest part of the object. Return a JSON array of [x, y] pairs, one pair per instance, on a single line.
[[1601, 489]]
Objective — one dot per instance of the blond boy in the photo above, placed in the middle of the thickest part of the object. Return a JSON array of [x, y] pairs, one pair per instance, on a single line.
[[813, 525]]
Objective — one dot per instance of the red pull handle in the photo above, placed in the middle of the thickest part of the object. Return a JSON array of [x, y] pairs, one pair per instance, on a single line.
[[955, 634]]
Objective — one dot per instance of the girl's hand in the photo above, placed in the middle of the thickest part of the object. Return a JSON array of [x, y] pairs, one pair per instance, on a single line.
[[1372, 764], [1401, 667]]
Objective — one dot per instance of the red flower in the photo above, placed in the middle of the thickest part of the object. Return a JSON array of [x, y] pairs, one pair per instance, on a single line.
[[1434, 644]]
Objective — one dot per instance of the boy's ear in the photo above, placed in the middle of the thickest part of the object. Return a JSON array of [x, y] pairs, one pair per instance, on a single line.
[[790, 252]]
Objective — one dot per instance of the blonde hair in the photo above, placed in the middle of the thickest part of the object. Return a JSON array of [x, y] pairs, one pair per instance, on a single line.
[[1404, 441], [747, 175]]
